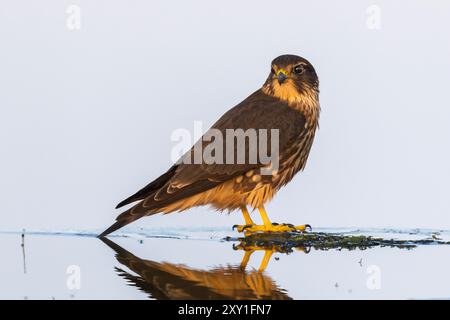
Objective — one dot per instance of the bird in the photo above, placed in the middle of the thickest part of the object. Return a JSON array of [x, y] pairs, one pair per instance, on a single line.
[[287, 105], [169, 281]]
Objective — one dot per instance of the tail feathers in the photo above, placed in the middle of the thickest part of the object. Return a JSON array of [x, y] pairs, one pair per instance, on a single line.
[[122, 220], [128, 216], [127, 201], [117, 225]]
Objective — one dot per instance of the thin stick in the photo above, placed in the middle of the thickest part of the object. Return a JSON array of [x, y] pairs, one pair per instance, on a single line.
[[23, 252]]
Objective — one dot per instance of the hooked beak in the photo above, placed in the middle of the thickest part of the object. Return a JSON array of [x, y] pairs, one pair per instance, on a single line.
[[281, 76]]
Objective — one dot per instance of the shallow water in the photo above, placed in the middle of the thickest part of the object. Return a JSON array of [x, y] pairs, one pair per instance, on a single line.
[[199, 264]]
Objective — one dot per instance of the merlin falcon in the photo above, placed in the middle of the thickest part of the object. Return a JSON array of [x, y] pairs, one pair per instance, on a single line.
[[288, 102]]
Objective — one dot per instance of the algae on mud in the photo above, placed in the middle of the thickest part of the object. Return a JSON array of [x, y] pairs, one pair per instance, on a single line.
[[286, 242]]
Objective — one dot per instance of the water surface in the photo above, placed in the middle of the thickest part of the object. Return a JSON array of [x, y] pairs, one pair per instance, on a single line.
[[200, 264]]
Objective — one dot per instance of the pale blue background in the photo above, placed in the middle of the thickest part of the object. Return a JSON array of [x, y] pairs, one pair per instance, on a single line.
[[86, 116]]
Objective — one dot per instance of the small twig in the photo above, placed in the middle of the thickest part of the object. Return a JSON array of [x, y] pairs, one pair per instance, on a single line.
[[23, 252]]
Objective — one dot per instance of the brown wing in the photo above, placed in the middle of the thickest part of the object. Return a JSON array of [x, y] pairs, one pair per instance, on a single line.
[[258, 111], [149, 189]]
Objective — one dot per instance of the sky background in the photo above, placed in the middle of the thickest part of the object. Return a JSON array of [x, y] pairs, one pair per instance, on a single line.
[[86, 116]]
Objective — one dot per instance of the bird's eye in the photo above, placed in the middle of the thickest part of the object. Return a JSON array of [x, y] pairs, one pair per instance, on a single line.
[[299, 69]]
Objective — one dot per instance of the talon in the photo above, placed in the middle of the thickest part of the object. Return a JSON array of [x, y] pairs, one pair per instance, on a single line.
[[305, 250], [243, 228], [267, 227], [234, 227]]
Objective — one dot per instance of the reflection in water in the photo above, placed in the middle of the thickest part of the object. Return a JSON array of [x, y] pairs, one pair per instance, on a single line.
[[174, 281], [268, 249], [23, 252]]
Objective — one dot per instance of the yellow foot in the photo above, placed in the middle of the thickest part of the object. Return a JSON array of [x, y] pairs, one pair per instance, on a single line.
[[271, 228]]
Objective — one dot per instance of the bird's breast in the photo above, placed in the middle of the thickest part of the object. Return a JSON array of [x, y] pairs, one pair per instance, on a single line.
[[294, 159]]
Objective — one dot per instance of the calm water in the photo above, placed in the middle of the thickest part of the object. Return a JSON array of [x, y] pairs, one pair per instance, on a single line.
[[198, 264]]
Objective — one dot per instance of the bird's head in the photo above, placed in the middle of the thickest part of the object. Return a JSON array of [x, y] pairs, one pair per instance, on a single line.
[[292, 79]]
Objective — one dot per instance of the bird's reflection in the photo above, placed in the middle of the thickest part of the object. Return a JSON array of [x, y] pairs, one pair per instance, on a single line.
[[269, 250], [175, 281]]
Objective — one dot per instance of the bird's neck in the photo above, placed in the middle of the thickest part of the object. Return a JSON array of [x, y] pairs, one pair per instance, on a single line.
[[305, 101]]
